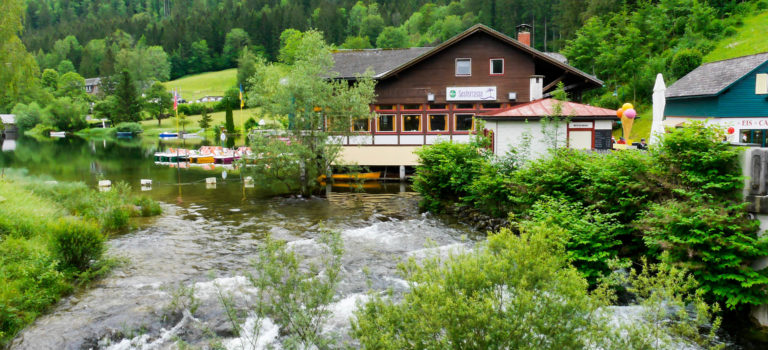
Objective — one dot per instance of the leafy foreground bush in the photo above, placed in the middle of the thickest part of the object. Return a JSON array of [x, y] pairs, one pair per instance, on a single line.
[[681, 197], [520, 292], [75, 243], [52, 238]]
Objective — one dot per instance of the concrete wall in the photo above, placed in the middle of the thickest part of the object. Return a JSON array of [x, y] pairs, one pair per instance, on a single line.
[[379, 155]]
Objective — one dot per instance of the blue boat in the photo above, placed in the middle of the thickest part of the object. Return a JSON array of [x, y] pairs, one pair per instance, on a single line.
[[124, 134], [168, 134]]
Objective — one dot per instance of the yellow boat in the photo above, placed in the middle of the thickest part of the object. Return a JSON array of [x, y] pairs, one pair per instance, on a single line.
[[373, 176], [205, 160]]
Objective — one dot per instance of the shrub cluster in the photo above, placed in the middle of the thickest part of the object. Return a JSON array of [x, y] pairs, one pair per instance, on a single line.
[[681, 197], [134, 128]]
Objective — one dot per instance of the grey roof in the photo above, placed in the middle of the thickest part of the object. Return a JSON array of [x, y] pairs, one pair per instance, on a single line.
[[712, 78], [351, 63], [558, 56], [92, 81]]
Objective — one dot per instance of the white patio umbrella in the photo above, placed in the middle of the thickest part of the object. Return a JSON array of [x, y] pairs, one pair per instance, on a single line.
[[659, 102]]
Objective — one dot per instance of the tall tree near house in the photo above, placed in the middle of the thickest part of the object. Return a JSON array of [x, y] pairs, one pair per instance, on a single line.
[[128, 107], [157, 101], [318, 109]]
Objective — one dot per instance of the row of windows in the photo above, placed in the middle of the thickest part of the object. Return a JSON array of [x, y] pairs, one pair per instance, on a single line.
[[413, 123], [440, 106], [464, 67]]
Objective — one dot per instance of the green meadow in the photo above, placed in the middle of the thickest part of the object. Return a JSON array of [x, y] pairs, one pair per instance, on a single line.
[[748, 40], [193, 87]]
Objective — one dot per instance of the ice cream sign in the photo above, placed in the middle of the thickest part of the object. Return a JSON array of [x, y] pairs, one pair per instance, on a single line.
[[470, 93]]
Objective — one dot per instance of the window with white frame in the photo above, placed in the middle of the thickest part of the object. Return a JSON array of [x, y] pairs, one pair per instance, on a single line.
[[463, 66], [497, 66]]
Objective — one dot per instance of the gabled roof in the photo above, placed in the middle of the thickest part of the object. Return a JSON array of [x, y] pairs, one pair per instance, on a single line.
[[545, 107], [92, 81], [351, 63], [386, 63], [713, 78], [8, 119]]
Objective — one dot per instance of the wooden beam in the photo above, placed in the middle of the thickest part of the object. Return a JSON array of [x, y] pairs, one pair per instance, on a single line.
[[554, 82]]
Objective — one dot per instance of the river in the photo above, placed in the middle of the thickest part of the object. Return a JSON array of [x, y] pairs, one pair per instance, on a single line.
[[205, 240]]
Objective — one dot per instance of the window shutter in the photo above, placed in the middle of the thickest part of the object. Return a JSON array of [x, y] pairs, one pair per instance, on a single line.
[[761, 86]]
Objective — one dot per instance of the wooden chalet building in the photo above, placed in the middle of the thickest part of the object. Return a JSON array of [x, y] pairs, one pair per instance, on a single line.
[[427, 94], [732, 93]]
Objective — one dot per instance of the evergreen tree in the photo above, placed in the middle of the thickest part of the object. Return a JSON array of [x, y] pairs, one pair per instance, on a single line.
[[128, 107], [205, 119], [230, 119]]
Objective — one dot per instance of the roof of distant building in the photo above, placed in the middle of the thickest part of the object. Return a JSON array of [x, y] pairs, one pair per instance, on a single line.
[[387, 62], [92, 81], [545, 107], [8, 119], [713, 78]]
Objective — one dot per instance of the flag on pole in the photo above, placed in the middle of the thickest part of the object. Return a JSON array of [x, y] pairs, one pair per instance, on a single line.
[[242, 100], [175, 100]]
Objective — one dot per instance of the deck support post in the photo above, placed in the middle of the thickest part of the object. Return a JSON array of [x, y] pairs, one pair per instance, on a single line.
[[402, 173]]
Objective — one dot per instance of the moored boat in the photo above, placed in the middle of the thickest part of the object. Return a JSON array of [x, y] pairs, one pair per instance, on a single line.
[[168, 134], [58, 133]]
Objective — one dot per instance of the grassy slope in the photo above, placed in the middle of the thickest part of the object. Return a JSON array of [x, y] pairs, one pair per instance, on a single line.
[[750, 39], [152, 129], [196, 86]]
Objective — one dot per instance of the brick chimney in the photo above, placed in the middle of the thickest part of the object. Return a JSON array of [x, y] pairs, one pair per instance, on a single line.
[[524, 34]]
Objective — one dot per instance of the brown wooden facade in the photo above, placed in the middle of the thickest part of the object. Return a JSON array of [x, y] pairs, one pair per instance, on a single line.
[[412, 105]]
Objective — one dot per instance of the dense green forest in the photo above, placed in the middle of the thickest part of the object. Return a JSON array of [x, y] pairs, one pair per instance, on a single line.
[[623, 42]]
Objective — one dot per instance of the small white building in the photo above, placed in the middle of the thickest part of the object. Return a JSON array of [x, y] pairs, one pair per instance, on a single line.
[[586, 127]]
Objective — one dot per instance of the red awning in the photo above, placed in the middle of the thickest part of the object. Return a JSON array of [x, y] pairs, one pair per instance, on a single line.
[[545, 107]]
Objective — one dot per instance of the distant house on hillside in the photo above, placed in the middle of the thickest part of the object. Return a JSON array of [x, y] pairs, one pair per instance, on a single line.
[[210, 99], [732, 93], [428, 94], [92, 85]]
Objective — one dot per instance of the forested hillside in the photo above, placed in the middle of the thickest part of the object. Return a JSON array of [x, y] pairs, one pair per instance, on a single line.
[[623, 42]]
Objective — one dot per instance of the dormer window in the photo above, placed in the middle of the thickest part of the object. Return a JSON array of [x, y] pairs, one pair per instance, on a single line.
[[463, 67], [761, 84]]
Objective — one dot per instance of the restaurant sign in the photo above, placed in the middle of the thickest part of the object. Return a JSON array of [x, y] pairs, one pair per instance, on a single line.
[[470, 93]]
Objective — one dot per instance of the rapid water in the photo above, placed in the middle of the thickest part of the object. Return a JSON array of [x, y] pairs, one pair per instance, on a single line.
[[206, 239]]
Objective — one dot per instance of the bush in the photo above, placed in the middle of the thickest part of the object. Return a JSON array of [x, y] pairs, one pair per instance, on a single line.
[[513, 292], [591, 237], [694, 160], [559, 176], [134, 128], [446, 171], [27, 116], [716, 241], [148, 206], [76, 242]]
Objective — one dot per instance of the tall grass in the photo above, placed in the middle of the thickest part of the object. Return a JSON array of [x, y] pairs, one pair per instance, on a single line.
[[52, 238]]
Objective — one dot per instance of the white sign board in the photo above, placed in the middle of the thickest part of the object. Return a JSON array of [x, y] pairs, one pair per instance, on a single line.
[[580, 125], [470, 93]]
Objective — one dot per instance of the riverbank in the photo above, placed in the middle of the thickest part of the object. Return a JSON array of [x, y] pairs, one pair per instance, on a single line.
[[52, 239]]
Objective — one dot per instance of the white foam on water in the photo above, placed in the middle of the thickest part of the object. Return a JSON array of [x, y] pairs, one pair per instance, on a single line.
[[441, 251], [255, 338], [237, 286], [342, 311], [142, 342]]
